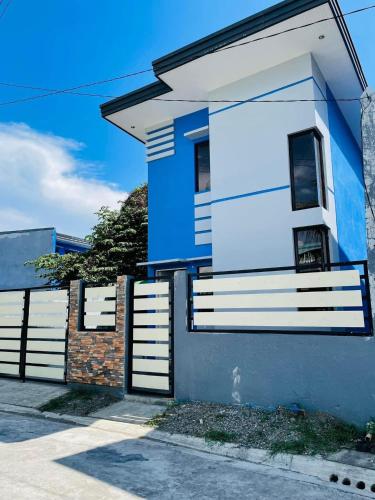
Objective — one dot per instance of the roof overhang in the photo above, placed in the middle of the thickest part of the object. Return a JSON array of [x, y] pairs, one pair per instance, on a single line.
[[198, 69]]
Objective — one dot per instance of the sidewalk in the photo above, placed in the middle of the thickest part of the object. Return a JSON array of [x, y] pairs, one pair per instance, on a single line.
[[128, 417], [356, 477]]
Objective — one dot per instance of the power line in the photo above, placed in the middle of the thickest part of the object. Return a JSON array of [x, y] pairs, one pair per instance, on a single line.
[[250, 101], [307, 25], [21, 86], [72, 89], [5, 8]]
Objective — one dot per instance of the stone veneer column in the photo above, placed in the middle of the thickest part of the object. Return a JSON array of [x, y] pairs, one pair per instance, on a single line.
[[96, 357]]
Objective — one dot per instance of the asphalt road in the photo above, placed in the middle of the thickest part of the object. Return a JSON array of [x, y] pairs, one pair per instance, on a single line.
[[42, 459]]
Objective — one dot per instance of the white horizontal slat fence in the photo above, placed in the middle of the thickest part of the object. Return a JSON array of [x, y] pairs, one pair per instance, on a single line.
[[47, 334], [318, 301], [150, 336], [11, 320], [33, 333], [100, 307]]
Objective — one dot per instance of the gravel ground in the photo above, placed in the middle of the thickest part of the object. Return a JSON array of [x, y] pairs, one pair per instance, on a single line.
[[79, 403], [280, 430]]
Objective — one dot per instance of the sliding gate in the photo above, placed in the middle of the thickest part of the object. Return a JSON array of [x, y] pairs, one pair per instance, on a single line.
[[33, 333], [150, 362]]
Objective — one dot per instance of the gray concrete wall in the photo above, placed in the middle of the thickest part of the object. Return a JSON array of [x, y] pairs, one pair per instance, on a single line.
[[332, 374], [368, 145], [18, 247]]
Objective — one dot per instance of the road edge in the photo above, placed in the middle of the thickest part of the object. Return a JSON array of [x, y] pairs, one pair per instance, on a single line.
[[315, 467]]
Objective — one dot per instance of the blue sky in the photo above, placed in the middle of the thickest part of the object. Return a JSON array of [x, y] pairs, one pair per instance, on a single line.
[[57, 44]]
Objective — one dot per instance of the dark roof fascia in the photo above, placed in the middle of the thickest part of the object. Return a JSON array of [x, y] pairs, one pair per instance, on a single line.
[[138, 96], [234, 33]]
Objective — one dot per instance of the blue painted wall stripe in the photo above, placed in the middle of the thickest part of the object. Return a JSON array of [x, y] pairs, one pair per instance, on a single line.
[[203, 204], [244, 195], [294, 84], [255, 193]]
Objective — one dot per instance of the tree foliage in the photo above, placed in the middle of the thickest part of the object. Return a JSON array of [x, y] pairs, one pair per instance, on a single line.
[[118, 241]]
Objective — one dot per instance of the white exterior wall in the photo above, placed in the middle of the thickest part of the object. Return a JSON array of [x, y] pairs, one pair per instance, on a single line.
[[249, 153]]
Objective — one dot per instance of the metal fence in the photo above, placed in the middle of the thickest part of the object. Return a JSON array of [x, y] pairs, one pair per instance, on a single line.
[[33, 333], [150, 344], [332, 299]]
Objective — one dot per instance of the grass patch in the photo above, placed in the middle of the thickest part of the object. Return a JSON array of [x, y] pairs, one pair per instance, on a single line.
[[221, 436], [80, 403], [312, 439], [156, 420]]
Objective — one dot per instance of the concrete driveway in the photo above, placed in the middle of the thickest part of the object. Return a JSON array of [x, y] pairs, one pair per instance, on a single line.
[[30, 394], [44, 459]]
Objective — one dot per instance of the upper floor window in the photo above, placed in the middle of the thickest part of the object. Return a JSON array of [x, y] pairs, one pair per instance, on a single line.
[[306, 170], [202, 166]]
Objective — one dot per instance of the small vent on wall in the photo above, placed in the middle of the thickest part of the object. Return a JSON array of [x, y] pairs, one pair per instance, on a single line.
[[160, 141]]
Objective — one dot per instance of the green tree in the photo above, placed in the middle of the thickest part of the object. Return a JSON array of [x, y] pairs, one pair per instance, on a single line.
[[118, 241]]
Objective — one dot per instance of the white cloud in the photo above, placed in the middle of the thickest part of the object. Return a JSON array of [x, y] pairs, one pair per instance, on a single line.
[[42, 183]]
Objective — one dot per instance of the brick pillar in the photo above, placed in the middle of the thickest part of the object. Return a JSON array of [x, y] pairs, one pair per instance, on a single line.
[[96, 357]]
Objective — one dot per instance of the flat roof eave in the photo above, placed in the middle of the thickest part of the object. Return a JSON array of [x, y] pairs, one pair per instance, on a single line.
[[139, 109]]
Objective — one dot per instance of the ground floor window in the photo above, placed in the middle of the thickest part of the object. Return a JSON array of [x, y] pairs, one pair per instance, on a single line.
[[311, 246]]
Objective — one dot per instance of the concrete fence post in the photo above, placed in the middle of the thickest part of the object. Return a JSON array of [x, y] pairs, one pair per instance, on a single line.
[[127, 308], [180, 332]]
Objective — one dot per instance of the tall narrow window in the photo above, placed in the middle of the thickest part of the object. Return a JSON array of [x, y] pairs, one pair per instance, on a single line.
[[202, 166], [306, 170], [311, 246]]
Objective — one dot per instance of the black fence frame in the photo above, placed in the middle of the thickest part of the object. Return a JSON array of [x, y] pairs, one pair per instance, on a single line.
[[367, 332], [81, 307], [23, 341], [130, 328]]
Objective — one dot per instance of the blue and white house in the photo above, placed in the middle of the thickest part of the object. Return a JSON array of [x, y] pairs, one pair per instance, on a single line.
[[239, 178]]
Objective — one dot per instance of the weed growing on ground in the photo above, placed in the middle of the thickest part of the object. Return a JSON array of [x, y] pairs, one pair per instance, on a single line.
[[221, 436], [316, 439]]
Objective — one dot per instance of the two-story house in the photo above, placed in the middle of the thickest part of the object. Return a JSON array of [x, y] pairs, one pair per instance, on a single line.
[[253, 144]]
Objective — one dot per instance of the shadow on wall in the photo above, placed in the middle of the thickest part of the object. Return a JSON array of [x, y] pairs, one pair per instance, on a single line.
[[348, 185]]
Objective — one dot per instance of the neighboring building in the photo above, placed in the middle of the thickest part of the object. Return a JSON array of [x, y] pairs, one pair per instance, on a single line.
[[18, 247], [241, 185]]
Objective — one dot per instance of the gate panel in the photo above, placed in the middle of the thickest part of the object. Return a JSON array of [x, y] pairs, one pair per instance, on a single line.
[[150, 343], [11, 320], [47, 335]]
